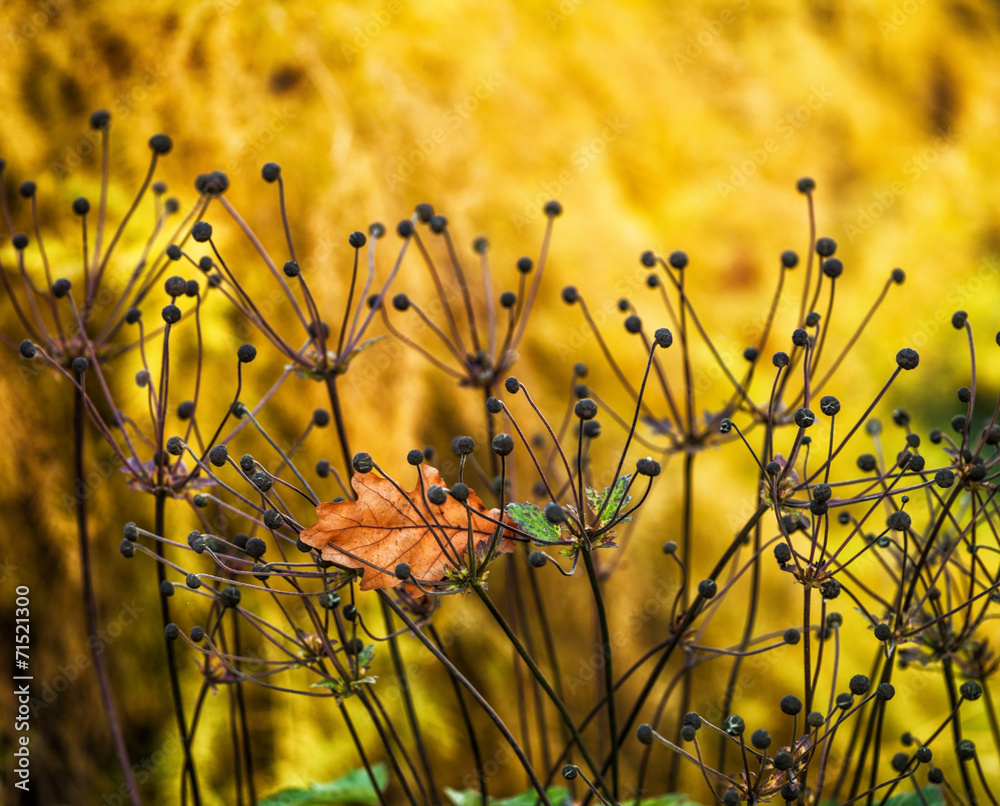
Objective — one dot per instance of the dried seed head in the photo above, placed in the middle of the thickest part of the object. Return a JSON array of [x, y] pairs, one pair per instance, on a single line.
[[218, 455], [965, 749], [214, 183], [230, 596], [804, 418], [678, 259], [100, 119], [647, 466], [830, 589], [825, 247], [255, 548], [161, 144], [585, 409], [201, 231], [907, 358], [790, 705], [971, 690], [663, 337], [707, 588], [867, 462], [833, 268], [503, 444], [829, 405], [463, 446], [734, 725]]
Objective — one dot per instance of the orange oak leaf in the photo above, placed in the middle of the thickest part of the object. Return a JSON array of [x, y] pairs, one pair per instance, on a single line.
[[383, 528]]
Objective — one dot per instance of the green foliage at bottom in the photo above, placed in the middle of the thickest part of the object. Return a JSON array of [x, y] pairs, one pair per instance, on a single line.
[[354, 788]]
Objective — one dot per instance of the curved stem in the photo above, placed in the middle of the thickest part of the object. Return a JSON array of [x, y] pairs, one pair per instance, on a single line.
[[175, 684], [338, 419], [609, 677], [458, 676], [560, 706], [90, 602]]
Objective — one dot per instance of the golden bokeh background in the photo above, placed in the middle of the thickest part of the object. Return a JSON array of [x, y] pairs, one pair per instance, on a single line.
[[658, 126]]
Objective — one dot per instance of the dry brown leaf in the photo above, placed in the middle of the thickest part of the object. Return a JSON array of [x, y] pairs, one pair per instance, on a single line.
[[383, 528]]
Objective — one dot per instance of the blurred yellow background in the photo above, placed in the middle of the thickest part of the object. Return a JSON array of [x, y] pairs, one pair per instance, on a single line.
[[658, 126]]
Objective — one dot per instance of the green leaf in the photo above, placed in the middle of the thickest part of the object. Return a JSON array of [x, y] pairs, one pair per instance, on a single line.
[[678, 799], [532, 520], [353, 788], [596, 500], [333, 360], [365, 656], [558, 795], [360, 349], [932, 796], [344, 689], [336, 685]]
